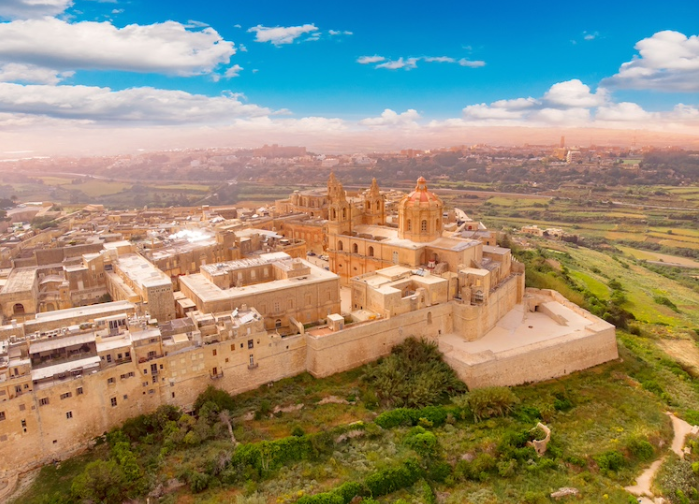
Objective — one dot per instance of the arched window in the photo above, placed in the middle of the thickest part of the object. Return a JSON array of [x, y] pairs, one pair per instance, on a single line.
[[437, 224], [410, 225], [344, 213], [18, 309], [340, 246], [355, 248], [378, 205], [334, 214], [423, 226], [371, 251]]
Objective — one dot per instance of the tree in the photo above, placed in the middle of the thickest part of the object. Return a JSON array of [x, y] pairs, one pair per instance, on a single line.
[[100, 482]]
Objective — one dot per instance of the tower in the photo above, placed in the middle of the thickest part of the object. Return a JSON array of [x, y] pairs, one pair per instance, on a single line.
[[339, 211], [420, 215], [374, 205]]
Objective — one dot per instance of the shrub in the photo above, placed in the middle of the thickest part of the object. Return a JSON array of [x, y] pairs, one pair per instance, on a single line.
[[610, 460], [491, 402], [640, 449], [389, 480], [297, 431], [219, 397], [414, 375]]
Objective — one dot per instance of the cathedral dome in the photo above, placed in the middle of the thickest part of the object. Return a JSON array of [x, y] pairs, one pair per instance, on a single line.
[[422, 195]]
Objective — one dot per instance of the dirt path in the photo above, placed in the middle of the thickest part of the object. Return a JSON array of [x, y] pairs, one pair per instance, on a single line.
[[642, 488]]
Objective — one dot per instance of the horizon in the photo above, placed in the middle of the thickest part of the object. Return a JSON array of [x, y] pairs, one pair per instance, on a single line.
[[156, 76]]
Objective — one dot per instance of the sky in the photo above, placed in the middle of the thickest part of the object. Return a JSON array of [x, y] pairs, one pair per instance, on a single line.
[[91, 76]]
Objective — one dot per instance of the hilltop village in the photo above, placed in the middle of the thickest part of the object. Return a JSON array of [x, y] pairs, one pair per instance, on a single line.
[[117, 313]]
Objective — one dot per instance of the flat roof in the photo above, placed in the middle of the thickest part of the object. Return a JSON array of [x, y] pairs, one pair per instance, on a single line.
[[83, 311], [207, 291], [49, 371], [46, 345], [224, 267], [141, 271], [20, 280], [113, 343]]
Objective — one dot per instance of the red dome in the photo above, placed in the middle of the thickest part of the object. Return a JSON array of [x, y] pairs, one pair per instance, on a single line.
[[421, 194]]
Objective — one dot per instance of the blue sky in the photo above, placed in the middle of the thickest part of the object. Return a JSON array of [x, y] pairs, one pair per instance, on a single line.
[[313, 67]]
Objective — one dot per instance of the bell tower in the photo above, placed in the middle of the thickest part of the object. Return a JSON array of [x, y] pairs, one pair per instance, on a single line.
[[374, 205], [339, 211]]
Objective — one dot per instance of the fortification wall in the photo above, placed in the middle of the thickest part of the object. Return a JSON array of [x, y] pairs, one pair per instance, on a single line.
[[537, 362], [362, 343]]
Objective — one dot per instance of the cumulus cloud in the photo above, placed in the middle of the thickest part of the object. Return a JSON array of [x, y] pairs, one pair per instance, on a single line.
[[162, 47], [623, 112], [142, 105], [390, 118], [31, 74], [366, 60], [564, 103], [667, 61], [233, 71], [25, 9], [574, 93], [280, 35]]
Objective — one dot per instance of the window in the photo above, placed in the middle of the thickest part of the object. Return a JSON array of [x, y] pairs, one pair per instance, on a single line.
[[111, 380], [43, 401], [251, 344], [355, 248], [423, 226], [109, 357], [340, 246], [2, 415], [173, 395], [113, 401], [213, 353], [277, 308], [410, 225], [232, 347], [126, 396], [252, 360], [395, 257], [69, 415], [66, 395], [22, 407], [79, 391], [371, 251]]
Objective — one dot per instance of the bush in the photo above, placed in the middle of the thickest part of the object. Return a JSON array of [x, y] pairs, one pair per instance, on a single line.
[[610, 460], [640, 449], [219, 397], [389, 480], [491, 402], [414, 376]]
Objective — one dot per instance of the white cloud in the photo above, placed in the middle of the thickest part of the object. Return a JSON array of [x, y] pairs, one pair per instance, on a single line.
[[163, 47], [280, 34], [233, 71], [471, 64], [410, 63], [439, 59], [31, 74], [574, 116], [668, 61], [193, 23], [143, 105], [574, 93], [590, 36], [25, 9], [242, 48], [365, 60], [333, 33], [623, 112], [400, 63], [117, 11], [390, 118], [483, 112]]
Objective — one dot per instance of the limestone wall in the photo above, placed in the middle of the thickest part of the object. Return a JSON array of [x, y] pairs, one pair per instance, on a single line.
[[472, 321], [362, 343], [537, 362]]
